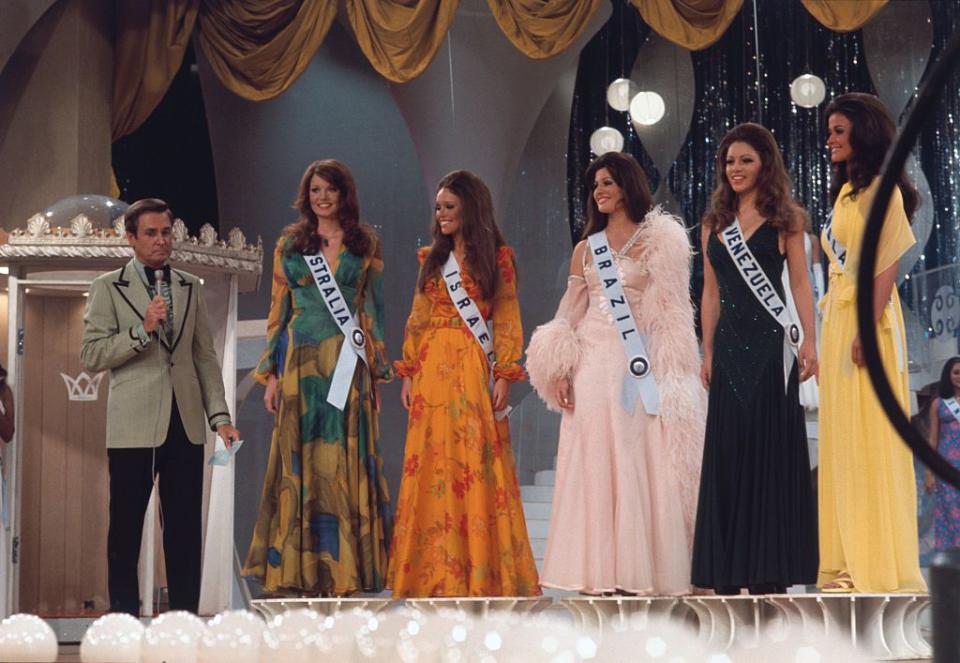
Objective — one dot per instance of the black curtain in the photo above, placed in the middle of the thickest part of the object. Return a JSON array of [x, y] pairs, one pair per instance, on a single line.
[[791, 42], [169, 156]]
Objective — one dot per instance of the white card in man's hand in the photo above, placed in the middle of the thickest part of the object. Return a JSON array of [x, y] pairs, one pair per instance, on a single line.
[[222, 455]]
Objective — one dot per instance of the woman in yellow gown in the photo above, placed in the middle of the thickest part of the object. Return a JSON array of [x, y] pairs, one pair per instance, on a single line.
[[460, 529], [867, 494]]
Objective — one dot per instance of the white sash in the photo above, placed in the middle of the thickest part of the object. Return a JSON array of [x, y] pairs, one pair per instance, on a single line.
[[355, 341], [836, 246], [761, 287], [953, 406], [639, 379], [840, 255], [471, 316]]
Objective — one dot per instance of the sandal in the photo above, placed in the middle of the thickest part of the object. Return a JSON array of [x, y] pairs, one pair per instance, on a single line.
[[842, 584]]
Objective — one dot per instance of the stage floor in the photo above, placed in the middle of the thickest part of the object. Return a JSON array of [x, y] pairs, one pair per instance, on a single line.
[[881, 627]]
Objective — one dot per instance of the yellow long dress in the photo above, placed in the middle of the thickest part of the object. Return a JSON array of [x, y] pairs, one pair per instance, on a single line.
[[460, 529], [867, 496]]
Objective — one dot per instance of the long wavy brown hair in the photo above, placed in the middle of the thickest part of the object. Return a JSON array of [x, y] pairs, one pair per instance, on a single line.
[[478, 226], [629, 176], [872, 131], [774, 200], [358, 237]]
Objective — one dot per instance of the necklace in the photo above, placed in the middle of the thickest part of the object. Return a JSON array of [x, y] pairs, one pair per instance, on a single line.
[[325, 239]]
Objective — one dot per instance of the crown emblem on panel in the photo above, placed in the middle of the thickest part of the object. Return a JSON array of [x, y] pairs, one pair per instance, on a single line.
[[83, 387]]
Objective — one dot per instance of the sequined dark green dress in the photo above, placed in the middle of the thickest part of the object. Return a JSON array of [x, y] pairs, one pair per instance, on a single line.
[[756, 523]]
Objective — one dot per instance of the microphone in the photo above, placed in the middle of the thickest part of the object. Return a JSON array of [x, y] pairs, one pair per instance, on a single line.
[[158, 283]]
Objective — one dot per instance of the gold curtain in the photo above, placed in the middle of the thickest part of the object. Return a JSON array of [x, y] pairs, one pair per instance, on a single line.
[[843, 15], [258, 49], [543, 28], [692, 24], [152, 37], [400, 37]]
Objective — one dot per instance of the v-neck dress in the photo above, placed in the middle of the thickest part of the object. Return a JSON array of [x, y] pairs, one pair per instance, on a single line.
[[325, 515], [756, 519]]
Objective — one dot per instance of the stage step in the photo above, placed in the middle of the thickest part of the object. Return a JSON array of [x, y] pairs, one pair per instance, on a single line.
[[545, 478], [536, 493], [537, 528], [536, 510], [539, 547]]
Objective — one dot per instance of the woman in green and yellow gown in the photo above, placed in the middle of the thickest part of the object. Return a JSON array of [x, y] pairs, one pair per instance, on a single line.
[[325, 516], [867, 492]]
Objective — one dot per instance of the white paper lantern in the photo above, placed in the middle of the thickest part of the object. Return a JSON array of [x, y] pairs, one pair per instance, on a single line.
[[27, 639], [173, 636], [292, 637], [606, 139], [114, 638], [647, 108], [808, 90], [620, 92], [234, 636]]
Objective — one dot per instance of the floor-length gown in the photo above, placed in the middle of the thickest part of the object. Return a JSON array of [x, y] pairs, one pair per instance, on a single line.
[[460, 528], [946, 510], [625, 489], [325, 514], [756, 521], [867, 495]]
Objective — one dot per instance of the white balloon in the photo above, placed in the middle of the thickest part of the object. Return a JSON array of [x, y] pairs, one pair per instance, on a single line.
[[173, 636], [293, 637], [234, 636], [606, 139], [647, 108], [808, 90], [27, 639], [620, 92], [114, 638]]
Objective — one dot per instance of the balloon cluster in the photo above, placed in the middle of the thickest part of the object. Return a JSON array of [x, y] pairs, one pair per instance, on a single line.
[[402, 634]]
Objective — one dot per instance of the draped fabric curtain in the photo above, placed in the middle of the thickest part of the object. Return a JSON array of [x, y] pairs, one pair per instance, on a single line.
[[400, 37], [543, 28], [258, 49], [151, 39], [843, 15], [692, 24]]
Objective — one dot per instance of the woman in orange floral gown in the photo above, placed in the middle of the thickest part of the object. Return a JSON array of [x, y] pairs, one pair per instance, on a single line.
[[460, 529]]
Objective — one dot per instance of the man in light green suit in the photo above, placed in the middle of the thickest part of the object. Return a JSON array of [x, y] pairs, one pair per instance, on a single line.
[[147, 325]]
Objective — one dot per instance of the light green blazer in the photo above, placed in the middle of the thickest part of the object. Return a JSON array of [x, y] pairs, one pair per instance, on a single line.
[[143, 378]]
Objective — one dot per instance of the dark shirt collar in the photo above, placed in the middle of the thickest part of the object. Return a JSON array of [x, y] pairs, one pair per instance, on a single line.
[[148, 273]]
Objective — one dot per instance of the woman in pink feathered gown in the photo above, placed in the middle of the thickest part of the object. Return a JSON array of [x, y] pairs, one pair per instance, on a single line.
[[626, 485]]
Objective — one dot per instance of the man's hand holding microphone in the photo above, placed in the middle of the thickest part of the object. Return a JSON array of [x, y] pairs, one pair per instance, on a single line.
[[156, 315]]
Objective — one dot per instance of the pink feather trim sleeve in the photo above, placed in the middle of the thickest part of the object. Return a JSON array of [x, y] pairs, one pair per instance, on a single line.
[[554, 351]]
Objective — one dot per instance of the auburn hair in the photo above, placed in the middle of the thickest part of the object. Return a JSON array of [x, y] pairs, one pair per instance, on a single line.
[[357, 237], [774, 200]]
